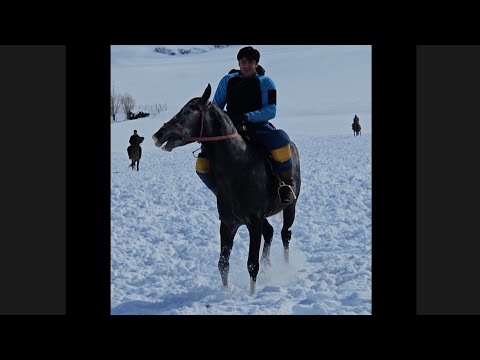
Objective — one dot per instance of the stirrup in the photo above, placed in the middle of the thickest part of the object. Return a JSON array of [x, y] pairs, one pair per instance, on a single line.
[[282, 184]]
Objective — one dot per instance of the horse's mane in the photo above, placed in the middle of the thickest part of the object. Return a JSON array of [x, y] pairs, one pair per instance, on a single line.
[[213, 108], [216, 110]]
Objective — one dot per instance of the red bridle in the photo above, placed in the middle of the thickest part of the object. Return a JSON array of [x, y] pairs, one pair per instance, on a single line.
[[206, 138]]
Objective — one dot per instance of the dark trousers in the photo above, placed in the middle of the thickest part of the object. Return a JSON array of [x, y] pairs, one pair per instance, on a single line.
[[271, 139]]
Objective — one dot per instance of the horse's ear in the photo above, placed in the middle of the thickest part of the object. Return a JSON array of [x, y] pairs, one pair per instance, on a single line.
[[206, 94]]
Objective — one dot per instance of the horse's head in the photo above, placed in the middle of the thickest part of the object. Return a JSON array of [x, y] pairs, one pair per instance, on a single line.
[[185, 125]]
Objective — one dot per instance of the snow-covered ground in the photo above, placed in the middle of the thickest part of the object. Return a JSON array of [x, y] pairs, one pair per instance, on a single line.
[[164, 222]]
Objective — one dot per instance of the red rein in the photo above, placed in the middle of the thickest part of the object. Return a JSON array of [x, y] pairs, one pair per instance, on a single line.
[[206, 138]]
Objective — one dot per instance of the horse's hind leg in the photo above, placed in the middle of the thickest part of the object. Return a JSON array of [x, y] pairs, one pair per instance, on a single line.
[[227, 233], [138, 162], [288, 218], [267, 232]]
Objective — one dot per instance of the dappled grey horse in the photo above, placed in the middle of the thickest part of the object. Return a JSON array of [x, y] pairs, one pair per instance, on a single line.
[[246, 186]]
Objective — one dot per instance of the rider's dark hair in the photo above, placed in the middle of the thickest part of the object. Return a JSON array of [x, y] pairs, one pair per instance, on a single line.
[[249, 53]]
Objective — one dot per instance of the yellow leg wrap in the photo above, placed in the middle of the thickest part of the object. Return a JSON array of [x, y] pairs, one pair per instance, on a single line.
[[282, 154], [202, 165]]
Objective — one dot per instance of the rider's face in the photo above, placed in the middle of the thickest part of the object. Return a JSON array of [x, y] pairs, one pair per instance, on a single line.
[[247, 67]]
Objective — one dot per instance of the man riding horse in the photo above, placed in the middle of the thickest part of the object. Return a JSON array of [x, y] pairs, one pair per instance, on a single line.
[[357, 129], [251, 100], [135, 140]]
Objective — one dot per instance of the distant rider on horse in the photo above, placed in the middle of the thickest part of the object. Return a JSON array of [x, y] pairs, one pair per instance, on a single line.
[[135, 139]]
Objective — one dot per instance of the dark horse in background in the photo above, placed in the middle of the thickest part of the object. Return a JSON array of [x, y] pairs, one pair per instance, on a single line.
[[357, 129], [135, 156], [135, 152], [246, 187]]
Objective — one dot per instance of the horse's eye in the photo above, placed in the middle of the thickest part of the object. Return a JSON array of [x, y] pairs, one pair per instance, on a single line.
[[186, 112]]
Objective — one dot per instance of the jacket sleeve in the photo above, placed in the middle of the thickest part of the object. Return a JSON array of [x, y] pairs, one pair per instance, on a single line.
[[269, 103], [220, 98]]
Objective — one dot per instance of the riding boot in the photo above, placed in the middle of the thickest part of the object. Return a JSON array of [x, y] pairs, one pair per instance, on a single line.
[[286, 188]]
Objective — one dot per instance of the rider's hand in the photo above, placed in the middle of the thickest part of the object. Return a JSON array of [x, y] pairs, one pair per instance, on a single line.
[[238, 119]]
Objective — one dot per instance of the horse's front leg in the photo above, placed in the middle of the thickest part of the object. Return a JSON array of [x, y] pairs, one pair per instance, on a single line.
[[227, 233], [255, 231]]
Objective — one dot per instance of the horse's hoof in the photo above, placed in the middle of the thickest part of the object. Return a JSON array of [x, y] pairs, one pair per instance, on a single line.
[[253, 287]]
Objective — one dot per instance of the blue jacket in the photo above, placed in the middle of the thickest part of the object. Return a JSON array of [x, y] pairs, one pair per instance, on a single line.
[[255, 96]]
